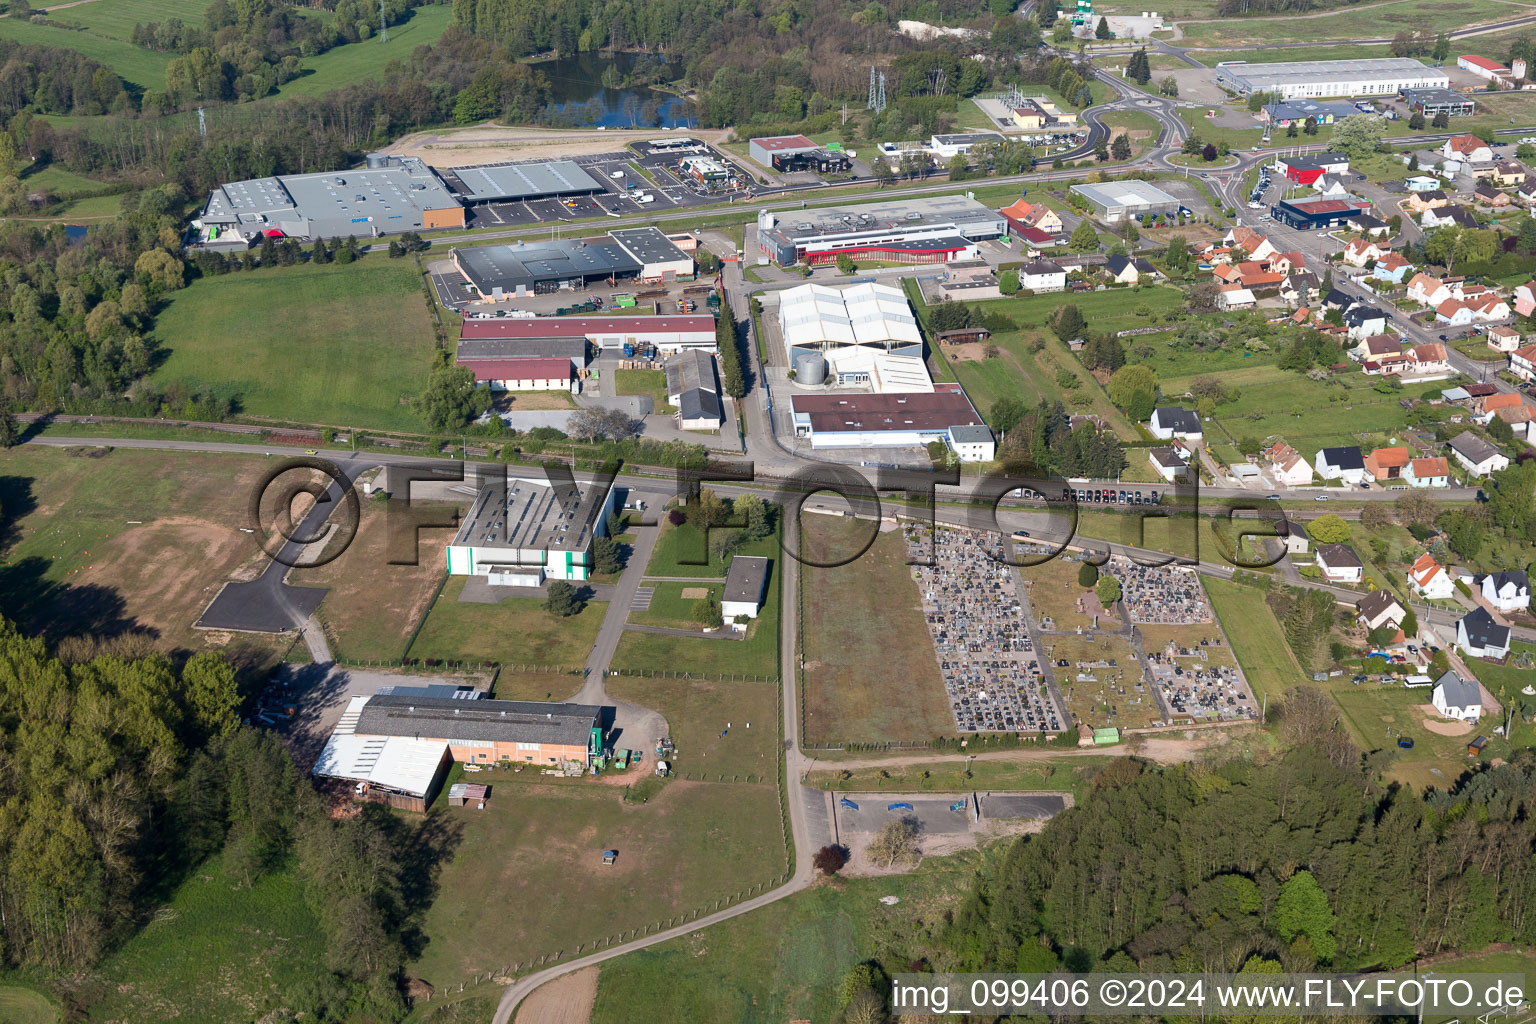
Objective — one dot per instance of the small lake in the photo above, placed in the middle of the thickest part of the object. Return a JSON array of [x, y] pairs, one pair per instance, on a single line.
[[582, 100]]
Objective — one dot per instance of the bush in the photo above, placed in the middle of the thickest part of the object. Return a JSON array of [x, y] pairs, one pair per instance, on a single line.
[[829, 860], [677, 517], [1087, 574]]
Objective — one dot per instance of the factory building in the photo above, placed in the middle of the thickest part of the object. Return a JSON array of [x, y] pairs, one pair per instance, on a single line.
[[947, 147], [524, 364], [864, 335], [1115, 201], [499, 272], [1430, 102], [667, 334], [389, 196], [941, 229], [523, 532], [1283, 115], [693, 388], [789, 153], [1315, 79], [889, 421], [499, 183]]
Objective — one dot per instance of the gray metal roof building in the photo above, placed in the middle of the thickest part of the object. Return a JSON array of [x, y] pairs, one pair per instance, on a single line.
[[504, 720], [693, 387], [533, 267], [648, 245], [496, 182], [1436, 101], [936, 221], [1116, 200], [574, 349], [1379, 76], [391, 195], [745, 582]]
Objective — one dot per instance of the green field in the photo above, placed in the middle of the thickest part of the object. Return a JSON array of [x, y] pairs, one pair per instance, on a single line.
[[217, 951], [515, 631], [630, 381], [720, 728], [25, 1006], [1069, 774], [757, 655], [335, 345], [680, 552], [784, 961], [358, 62], [136, 66], [1261, 649], [1364, 21], [858, 622], [527, 876], [669, 608]]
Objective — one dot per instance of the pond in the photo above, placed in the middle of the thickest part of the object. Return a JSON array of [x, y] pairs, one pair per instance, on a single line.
[[582, 99]]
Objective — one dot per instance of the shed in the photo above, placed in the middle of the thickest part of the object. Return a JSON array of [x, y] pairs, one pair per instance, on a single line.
[[1109, 735], [1476, 746], [462, 793]]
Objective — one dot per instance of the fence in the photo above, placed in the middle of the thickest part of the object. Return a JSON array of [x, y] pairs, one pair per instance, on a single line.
[[724, 677]]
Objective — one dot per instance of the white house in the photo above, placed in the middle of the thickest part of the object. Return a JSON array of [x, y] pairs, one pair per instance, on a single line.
[[1256, 244], [1428, 472], [1344, 464], [1339, 563], [1042, 276], [1455, 697], [1428, 361], [1522, 361], [1508, 591], [1296, 540], [1479, 636], [1429, 579], [1361, 251], [1288, 467], [1428, 291], [973, 442], [1380, 608], [1503, 338], [746, 581], [1167, 464], [1468, 149], [1236, 298], [1477, 455], [1363, 321], [1173, 421]]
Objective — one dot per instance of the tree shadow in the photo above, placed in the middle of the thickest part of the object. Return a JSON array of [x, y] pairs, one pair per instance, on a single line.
[[426, 846]]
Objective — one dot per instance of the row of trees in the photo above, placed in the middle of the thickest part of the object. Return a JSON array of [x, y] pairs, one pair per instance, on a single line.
[[1301, 861]]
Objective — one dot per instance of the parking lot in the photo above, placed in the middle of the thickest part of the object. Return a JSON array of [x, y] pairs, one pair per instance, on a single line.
[[991, 673]]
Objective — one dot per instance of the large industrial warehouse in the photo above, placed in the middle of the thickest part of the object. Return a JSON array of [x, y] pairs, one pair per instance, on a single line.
[[668, 334], [498, 272], [862, 335], [506, 364], [1116, 200], [522, 532], [514, 182], [884, 421], [391, 195], [940, 229], [1378, 76]]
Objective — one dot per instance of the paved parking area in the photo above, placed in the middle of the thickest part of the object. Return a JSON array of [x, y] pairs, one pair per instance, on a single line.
[[932, 813], [1022, 805]]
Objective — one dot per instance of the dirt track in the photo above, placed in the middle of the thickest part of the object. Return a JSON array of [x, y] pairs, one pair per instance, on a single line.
[[1162, 750], [487, 144], [566, 1000]]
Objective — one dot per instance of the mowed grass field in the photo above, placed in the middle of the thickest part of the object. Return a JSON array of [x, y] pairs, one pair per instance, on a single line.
[[335, 345], [373, 606], [25, 1006], [870, 669], [100, 542], [1362, 21], [515, 631], [1262, 652], [527, 877], [136, 66], [785, 961], [698, 711], [218, 951], [358, 62], [1070, 773]]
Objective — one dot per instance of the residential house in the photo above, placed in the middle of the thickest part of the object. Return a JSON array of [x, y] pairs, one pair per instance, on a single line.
[[1478, 456], [1429, 361], [1508, 591], [1458, 698], [1172, 421], [1023, 214], [1427, 290], [1422, 202], [1361, 251], [1479, 636], [1487, 405], [1421, 183], [1125, 270], [1429, 579], [1287, 465], [1489, 306], [1336, 299], [1235, 296], [1521, 420], [1487, 195], [1508, 173], [1525, 298], [1287, 262], [1391, 267], [1467, 149], [1344, 464], [1387, 463], [1364, 320], [1299, 288], [1375, 347], [1522, 361], [1369, 225], [1167, 463], [1256, 244], [1503, 338], [1042, 276], [1294, 535], [1446, 216], [1379, 608], [1427, 472], [1339, 563]]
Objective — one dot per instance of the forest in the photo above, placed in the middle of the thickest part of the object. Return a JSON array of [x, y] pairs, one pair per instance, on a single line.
[[1308, 859], [118, 777]]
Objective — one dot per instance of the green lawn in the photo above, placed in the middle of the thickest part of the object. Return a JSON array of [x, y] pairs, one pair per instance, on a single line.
[[699, 711], [630, 381], [1363, 21], [332, 344], [218, 951], [1260, 645], [680, 552], [784, 961], [26, 1006], [357, 62], [1069, 774], [527, 877], [1378, 715], [134, 65], [517, 631], [757, 655], [669, 608]]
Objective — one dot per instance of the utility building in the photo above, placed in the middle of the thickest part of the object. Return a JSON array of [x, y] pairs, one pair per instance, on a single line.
[[1115, 201], [524, 532]]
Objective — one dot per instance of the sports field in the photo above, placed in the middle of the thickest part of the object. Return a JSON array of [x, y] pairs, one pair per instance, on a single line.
[[870, 670], [336, 345]]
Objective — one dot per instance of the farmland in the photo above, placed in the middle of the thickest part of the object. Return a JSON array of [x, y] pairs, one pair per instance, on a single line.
[[341, 345]]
